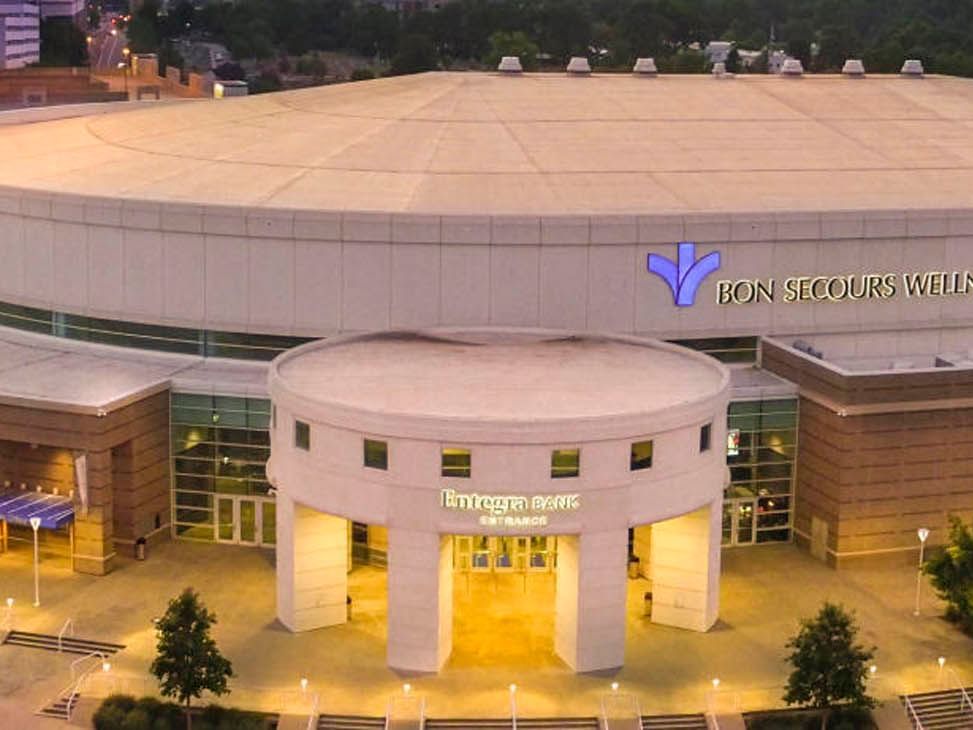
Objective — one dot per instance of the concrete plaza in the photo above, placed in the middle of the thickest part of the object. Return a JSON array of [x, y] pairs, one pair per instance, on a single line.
[[503, 633]]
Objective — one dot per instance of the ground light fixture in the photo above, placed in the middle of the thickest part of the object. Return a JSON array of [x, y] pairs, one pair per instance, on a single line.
[[304, 685], [614, 686], [35, 523], [923, 534]]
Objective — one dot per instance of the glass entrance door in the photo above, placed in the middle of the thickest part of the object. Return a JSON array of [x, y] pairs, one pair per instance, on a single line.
[[245, 520], [738, 521], [503, 554]]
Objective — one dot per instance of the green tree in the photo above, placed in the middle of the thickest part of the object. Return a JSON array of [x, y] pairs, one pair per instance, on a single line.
[[187, 662], [62, 43], [416, 54], [512, 44], [951, 572], [829, 666]]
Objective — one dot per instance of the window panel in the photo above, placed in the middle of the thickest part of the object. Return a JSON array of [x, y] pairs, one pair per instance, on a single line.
[[376, 454], [302, 435], [641, 456], [565, 463], [456, 463]]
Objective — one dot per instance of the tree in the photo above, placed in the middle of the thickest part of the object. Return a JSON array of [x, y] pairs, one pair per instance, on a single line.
[[512, 44], [951, 572], [62, 43], [830, 668], [416, 54], [187, 662]]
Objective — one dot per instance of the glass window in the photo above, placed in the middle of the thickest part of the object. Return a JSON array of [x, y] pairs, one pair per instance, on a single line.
[[641, 456], [302, 435], [376, 454], [456, 463], [565, 463], [704, 437]]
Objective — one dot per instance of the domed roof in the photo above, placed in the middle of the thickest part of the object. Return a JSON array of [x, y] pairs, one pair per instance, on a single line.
[[486, 143]]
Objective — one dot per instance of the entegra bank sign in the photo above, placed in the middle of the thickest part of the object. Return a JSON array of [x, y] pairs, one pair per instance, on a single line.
[[510, 510], [685, 275]]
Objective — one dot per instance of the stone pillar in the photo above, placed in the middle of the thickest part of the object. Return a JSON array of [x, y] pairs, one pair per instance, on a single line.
[[420, 600], [312, 560], [642, 549], [590, 605], [686, 569], [94, 543]]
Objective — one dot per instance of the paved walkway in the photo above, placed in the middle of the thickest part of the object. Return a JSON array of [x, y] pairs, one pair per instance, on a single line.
[[503, 634]]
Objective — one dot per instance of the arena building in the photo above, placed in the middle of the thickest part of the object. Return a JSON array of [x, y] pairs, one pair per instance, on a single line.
[[594, 326]]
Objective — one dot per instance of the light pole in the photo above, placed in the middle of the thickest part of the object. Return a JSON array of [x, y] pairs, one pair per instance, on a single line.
[[35, 523], [513, 707], [923, 535]]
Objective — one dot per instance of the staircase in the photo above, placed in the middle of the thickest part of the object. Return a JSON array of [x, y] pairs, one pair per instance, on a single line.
[[674, 722], [59, 709], [649, 722], [943, 710], [350, 722], [69, 645]]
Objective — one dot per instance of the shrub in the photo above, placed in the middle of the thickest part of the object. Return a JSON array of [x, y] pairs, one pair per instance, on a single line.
[[362, 74]]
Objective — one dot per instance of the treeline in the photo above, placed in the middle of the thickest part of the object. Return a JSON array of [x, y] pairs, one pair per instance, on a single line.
[[823, 33]]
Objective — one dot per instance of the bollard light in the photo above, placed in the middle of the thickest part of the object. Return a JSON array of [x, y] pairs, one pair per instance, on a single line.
[[614, 686], [106, 666], [513, 688], [872, 669], [304, 684], [941, 661], [10, 603], [406, 688], [716, 682]]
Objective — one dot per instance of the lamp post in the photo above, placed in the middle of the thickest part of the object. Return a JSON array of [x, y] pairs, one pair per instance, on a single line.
[[35, 523], [923, 535]]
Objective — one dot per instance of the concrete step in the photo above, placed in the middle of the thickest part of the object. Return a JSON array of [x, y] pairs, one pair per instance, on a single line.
[[941, 710], [674, 722], [349, 722], [58, 709], [69, 645]]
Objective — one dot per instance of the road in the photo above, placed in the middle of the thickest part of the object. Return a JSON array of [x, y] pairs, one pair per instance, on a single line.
[[105, 52]]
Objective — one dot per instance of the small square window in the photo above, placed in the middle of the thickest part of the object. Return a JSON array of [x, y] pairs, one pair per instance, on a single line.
[[641, 456], [457, 463], [704, 437], [565, 463], [302, 435], [273, 418], [376, 454]]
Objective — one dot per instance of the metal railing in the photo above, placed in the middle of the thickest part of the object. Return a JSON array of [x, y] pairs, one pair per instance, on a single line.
[[69, 624], [964, 695], [312, 716], [912, 712]]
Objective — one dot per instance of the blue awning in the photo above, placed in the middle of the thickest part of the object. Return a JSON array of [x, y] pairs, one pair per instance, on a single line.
[[54, 510]]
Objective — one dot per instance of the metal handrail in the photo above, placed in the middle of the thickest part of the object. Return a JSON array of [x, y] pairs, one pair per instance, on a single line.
[[60, 634], [313, 714], [912, 711], [77, 661], [964, 695]]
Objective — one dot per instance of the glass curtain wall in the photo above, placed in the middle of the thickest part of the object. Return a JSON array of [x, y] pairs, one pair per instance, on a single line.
[[220, 446], [761, 450]]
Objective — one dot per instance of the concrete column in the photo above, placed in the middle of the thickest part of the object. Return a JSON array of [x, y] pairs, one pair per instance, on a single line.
[[94, 539], [420, 600], [590, 612], [312, 560], [686, 569]]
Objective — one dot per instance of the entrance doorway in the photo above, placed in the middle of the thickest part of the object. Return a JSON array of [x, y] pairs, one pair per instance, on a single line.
[[739, 517], [246, 520], [504, 554]]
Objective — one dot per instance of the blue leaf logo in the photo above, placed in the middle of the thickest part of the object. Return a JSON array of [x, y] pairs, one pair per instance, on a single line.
[[686, 273]]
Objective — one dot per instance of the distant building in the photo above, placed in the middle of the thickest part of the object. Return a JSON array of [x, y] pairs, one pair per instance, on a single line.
[[61, 8], [19, 33], [775, 61], [718, 51]]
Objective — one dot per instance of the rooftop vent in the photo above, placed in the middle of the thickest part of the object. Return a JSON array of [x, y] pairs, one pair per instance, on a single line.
[[578, 65], [854, 68], [645, 67], [913, 68], [510, 65], [792, 67], [719, 71]]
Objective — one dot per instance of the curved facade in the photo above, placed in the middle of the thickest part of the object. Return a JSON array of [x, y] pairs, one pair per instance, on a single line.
[[499, 432], [814, 234]]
